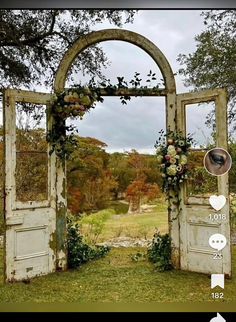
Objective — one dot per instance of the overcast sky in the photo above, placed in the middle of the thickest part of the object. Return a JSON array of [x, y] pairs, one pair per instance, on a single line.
[[136, 124]]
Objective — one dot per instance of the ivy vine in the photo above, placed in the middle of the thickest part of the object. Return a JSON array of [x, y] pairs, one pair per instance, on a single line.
[[78, 100]]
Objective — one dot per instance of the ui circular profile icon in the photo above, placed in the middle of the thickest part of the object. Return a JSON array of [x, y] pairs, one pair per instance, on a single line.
[[217, 161]]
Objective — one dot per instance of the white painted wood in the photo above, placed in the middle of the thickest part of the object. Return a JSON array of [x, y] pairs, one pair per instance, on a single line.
[[30, 226], [169, 91], [195, 226]]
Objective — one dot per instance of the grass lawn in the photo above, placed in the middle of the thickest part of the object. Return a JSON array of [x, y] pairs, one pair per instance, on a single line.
[[135, 225], [116, 279]]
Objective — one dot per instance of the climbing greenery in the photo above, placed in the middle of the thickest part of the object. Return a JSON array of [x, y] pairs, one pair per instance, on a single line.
[[159, 252], [78, 251], [70, 103], [78, 100], [172, 149]]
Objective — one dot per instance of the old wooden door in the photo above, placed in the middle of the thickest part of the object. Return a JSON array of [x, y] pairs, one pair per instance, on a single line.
[[30, 194], [196, 218]]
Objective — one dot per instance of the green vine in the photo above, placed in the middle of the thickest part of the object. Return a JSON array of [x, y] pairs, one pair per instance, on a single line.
[[172, 149], [76, 101], [71, 103], [159, 252]]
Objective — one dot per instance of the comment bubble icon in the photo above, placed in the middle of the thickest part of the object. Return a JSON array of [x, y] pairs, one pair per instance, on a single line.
[[217, 241]]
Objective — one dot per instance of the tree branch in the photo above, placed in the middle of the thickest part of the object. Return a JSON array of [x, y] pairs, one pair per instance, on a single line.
[[33, 40]]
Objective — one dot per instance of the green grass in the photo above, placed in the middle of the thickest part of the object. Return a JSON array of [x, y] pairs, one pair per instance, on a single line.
[[116, 279], [134, 225], [141, 225], [118, 206]]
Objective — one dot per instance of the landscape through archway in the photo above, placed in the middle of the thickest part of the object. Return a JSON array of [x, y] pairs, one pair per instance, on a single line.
[[188, 231], [169, 91]]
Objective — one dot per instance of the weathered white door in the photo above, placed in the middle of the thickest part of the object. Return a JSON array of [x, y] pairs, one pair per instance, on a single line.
[[30, 197], [197, 219]]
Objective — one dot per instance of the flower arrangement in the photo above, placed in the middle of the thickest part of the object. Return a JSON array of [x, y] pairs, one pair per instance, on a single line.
[[71, 103], [74, 102], [172, 150]]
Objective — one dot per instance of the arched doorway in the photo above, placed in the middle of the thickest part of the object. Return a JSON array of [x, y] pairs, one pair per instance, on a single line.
[[189, 224]]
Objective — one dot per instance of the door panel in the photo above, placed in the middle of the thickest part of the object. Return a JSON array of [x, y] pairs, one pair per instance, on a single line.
[[195, 224], [30, 221]]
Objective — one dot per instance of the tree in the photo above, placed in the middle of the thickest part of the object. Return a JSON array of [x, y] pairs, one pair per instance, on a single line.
[[139, 189], [138, 163], [118, 165], [90, 182], [32, 42], [213, 63]]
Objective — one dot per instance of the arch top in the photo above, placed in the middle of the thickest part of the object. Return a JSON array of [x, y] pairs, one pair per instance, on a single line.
[[114, 34]]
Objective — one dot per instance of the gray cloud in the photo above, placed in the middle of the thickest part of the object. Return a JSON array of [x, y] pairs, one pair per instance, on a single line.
[[137, 124]]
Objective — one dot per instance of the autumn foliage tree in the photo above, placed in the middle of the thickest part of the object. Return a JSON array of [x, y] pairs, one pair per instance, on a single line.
[[139, 187], [90, 182], [138, 190]]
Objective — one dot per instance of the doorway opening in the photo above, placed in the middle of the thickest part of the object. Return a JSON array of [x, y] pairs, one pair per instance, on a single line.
[[114, 183]]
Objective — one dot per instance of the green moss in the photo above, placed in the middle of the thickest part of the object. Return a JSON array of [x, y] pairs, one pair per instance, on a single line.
[[61, 228], [53, 241]]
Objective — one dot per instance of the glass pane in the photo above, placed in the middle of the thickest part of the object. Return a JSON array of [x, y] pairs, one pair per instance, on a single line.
[[31, 153], [200, 123], [200, 182]]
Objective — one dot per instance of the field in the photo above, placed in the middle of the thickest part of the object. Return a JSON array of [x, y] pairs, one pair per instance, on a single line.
[[117, 278], [134, 225]]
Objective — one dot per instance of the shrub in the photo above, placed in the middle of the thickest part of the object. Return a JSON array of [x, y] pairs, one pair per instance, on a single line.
[[120, 208], [95, 224], [159, 252], [78, 251]]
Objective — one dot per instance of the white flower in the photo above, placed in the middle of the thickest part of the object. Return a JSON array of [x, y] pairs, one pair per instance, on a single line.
[[66, 98], [171, 170], [171, 151], [171, 147], [181, 143], [172, 160], [183, 159], [179, 167], [75, 95]]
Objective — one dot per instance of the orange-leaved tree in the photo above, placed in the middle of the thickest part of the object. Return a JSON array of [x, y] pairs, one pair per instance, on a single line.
[[139, 187], [90, 182]]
